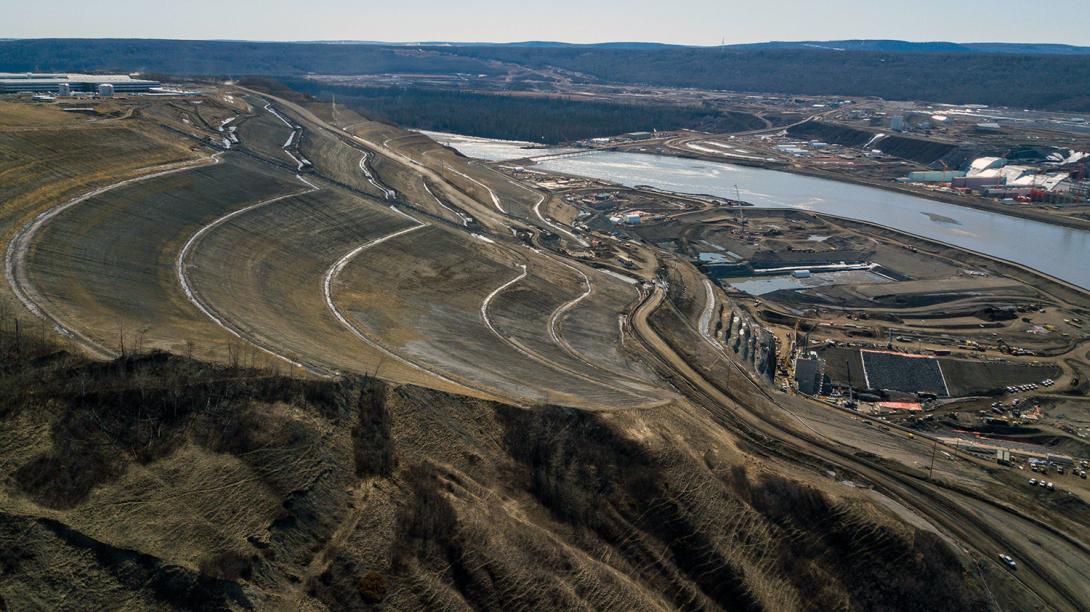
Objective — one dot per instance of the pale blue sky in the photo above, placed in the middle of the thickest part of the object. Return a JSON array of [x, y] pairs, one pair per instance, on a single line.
[[702, 22]]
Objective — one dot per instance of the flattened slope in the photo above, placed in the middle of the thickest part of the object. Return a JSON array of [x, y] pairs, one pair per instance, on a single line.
[[106, 265], [525, 311], [265, 136], [339, 160], [593, 328], [421, 296], [263, 270], [55, 159], [67, 158]]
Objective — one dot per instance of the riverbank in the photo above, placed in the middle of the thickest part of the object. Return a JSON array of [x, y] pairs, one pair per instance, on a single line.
[[1058, 287], [1012, 210], [1053, 249]]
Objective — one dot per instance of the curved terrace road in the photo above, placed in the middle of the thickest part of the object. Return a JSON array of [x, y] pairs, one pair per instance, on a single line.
[[15, 256]]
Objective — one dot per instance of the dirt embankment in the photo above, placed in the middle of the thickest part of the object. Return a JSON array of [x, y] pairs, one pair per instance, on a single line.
[[925, 152]]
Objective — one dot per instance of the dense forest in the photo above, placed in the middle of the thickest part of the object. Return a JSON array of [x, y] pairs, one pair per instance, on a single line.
[[905, 46], [542, 120], [1051, 82], [223, 58], [1044, 81]]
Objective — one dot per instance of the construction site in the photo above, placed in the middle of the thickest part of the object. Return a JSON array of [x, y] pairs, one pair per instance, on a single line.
[[468, 381], [1027, 163]]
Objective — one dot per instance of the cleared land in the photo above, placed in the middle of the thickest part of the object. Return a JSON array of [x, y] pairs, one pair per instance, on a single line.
[[48, 156], [264, 135], [421, 296], [524, 312], [106, 267], [271, 291]]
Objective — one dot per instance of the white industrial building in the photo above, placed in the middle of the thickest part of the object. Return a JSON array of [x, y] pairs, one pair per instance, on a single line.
[[67, 84], [982, 164]]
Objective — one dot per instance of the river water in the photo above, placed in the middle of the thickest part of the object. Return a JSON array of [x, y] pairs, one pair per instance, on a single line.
[[1057, 251], [490, 149]]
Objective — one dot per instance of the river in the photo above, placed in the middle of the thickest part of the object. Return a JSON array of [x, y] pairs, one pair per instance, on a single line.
[[490, 149], [1058, 251]]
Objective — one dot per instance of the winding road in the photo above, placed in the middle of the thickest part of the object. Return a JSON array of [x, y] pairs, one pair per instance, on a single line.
[[752, 417]]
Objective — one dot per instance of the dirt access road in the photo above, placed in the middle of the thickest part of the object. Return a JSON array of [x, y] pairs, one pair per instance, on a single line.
[[1054, 566]]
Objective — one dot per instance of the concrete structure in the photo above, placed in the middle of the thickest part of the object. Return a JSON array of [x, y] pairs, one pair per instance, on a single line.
[[934, 176], [87, 83], [976, 182], [1060, 459], [712, 258], [809, 375], [897, 123], [791, 149]]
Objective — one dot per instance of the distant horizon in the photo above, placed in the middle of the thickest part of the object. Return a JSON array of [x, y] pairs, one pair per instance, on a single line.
[[697, 23], [424, 42]]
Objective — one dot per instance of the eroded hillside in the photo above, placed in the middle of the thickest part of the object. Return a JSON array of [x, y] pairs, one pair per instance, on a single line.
[[156, 481]]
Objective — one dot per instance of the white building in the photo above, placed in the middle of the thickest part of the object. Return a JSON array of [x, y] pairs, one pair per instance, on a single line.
[[981, 164], [11, 82]]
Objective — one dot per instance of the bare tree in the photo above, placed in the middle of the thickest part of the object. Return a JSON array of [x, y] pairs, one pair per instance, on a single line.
[[121, 335]]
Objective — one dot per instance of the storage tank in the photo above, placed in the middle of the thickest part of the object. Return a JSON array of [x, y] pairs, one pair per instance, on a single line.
[[106, 90]]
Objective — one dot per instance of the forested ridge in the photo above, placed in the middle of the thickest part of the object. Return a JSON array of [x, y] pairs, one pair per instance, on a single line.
[[536, 119], [1031, 80], [1052, 82]]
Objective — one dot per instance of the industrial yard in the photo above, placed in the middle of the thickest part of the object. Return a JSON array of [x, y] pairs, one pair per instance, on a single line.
[[1029, 164]]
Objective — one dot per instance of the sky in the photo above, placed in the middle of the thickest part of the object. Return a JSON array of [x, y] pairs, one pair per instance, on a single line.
[[696, 22]]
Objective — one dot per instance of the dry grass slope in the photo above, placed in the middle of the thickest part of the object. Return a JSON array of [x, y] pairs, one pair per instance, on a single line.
[[357, 494]]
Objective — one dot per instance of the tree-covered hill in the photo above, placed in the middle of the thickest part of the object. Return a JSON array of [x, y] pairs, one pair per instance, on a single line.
[[1030, 80]]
